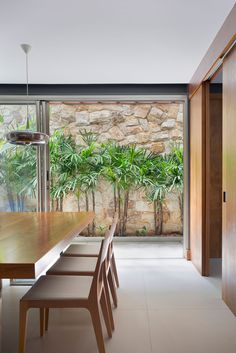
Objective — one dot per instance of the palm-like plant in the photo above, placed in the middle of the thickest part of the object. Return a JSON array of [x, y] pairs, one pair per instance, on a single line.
[[64, 159], [157, 187], [89, 170], [122, 169], [176, 173]]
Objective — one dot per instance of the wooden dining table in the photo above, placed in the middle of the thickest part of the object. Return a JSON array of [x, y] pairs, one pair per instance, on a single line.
[[29, 243]]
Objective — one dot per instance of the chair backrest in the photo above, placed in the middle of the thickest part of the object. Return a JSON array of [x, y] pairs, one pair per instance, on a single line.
[[98, 275], [111, 231], [103, 256]]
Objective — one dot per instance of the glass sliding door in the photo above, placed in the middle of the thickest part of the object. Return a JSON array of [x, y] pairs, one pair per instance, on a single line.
[[126, 156], [18, 164]]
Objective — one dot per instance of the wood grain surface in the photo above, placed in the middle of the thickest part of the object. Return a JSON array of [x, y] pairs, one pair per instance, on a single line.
[[198, 239], [229, 181], [214, 175], [220, 45], [30, 241]]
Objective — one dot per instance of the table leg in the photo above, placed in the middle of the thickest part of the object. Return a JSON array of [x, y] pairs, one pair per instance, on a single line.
[[11, 296]]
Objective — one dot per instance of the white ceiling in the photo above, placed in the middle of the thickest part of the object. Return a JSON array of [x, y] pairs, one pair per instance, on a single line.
[[107, 41]]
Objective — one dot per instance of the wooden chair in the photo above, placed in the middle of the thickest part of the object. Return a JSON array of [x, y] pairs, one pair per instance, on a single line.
[[92, 250], [85, 266], [69, 292], [80, 265]]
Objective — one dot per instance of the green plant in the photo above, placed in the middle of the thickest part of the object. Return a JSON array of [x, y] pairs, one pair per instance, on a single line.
[[142, 231], [78, 169], [64, 159], [157, 188], [176, 173], [102, 228], [18, 171], [89, 171], [122, 170]]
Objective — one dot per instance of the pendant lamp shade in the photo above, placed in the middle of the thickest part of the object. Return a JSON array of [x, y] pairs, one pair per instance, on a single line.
[[27, 137]]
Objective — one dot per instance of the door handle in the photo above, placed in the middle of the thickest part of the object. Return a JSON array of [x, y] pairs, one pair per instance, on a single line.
[[224, 196]]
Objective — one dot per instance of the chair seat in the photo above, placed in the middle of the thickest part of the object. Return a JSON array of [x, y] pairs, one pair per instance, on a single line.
[[73, 266], [90, 250], [60, 288]]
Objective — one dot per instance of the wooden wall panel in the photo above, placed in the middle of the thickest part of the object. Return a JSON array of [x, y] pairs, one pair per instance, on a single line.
[[229, 180], [223, 40], [214, 175], [197, 181]]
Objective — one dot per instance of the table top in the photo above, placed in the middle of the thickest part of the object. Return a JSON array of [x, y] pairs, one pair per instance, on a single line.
[[30, 241]]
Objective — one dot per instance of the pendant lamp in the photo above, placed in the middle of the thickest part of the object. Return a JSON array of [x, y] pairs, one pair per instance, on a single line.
[[27, 137]]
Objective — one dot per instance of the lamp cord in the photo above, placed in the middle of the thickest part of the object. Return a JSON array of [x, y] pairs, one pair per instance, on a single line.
[[27, 92]]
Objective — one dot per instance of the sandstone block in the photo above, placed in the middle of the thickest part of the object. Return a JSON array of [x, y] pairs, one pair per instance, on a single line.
[[173, 110], [116, 133], [154, 127], [141, 111], [131, 121], [160, 136], [144, 124], [143, 137], [176, 134], [155, 113], [168, 124], [100, 116], [82, 118], [157, 147], [133, 130]]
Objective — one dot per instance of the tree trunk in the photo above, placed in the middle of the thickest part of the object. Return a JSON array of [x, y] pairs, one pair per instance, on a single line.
[[20, 203], [155, 216], [180, 197], [11, 200], [61, 204], [115, 207], [125, 216], [119, 212], [87, 209], [57, 204], [160, 217], [114, 197], [94, 205], [52, 199]]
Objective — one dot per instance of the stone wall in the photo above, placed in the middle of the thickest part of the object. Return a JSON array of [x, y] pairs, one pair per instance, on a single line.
[[153, 126]]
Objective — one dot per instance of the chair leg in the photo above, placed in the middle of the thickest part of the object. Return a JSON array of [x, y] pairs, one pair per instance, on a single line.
[[22, 326], [46, 318], [114, 269], [42, 321], [105, 313], [112, 287], [94, 312], [109, 304]]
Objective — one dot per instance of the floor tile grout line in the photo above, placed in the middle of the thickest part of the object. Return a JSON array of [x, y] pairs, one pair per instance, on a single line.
[[147, 313]]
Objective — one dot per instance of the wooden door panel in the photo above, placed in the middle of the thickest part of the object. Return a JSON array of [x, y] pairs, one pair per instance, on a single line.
[[214, 175], [197, 181], [229, 181]]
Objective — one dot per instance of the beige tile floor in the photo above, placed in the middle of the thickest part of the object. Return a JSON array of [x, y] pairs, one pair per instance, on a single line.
[[165, 306]]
